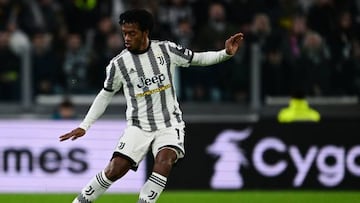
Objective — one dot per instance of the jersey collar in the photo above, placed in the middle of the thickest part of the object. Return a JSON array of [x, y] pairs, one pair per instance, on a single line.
[[143, 51]]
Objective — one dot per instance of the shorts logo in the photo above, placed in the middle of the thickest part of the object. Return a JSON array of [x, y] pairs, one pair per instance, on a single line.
[[121, 145]]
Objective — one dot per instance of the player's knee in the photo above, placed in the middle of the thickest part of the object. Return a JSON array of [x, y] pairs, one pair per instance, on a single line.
[[166, 162], [166, 158], [117, 168]]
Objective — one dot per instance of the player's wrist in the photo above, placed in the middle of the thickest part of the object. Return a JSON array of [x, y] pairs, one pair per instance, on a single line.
[[228, 52], [225, 53], [84, 126]]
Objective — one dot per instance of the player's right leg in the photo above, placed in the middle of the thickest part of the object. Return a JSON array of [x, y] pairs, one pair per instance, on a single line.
[[130, 150]]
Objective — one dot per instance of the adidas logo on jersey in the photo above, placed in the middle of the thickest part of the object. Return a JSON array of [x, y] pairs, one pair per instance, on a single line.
[[145, 82], [132, 71]]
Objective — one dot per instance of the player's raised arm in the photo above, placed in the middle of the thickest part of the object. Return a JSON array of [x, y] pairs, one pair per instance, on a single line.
[[207, 58]]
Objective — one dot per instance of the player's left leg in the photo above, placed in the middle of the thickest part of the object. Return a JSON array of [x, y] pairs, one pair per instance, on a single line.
[[98, 185], [168, 147], [153, 187]]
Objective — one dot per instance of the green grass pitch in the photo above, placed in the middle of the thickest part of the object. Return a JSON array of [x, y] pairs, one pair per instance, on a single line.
[[202, 197]]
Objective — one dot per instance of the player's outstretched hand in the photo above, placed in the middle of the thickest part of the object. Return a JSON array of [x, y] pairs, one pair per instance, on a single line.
[[233, 43], [74, 134]]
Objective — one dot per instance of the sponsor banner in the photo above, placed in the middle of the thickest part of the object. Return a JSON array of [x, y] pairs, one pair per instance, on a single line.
[[33, 160], [269, 155]]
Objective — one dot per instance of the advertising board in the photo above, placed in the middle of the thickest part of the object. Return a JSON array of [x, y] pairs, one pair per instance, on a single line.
[[269, 155]]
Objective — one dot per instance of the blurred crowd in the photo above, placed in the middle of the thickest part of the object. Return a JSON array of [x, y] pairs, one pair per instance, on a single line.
[[311, 46]]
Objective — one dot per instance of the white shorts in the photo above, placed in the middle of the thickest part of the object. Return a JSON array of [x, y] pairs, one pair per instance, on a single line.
[[135, 143]]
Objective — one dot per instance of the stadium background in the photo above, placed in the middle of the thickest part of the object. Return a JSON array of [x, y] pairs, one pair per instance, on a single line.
[[52, 59]]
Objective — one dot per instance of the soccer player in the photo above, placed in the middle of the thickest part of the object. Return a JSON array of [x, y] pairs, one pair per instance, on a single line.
[[145, 70]]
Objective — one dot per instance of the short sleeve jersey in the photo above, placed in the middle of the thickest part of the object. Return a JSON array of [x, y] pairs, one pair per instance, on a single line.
[[148, 84]]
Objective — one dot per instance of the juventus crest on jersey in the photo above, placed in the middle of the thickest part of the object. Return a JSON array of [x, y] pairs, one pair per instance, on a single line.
[[147, 80]]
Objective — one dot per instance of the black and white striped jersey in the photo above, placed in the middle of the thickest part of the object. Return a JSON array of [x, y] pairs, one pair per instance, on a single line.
[[147, 81]]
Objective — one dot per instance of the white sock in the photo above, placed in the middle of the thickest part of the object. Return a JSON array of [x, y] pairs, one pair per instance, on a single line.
[[152, 189], [96, 187]]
